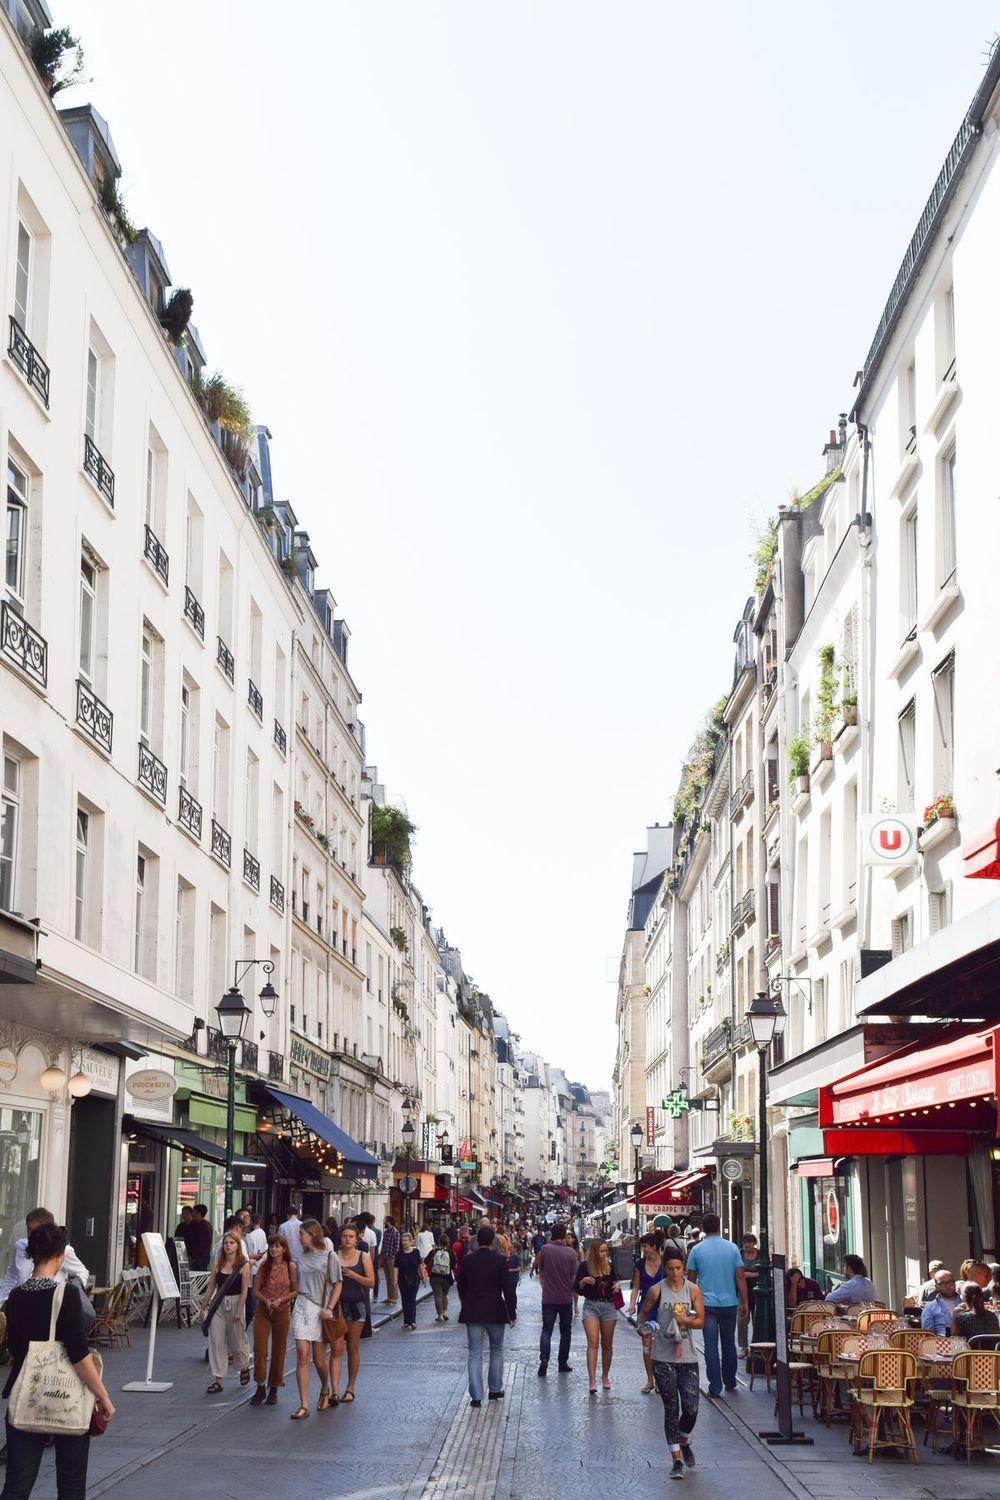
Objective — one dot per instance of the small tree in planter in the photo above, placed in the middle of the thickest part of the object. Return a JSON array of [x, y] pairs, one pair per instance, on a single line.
[[798, 763], [399, 939], [391, 832], [48, 49], [826, 702], [114, 207], [943, 806], [176, 316]]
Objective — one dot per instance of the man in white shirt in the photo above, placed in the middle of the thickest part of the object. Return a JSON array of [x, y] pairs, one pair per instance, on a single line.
[[291, 1230], [425, 1243], [21, 1267], [254, 1241]]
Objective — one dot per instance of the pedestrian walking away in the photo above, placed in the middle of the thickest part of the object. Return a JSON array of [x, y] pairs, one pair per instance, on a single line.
[[290, 1229], [715, 1265], [359, 1278], [537, 1242], [482, 1287], [556, 1265], [29, 1318], [318, 1277], [574, 1245], [390, 1250], [275, 1286], [750, 1257], [410, 1271], [513, 1271], [223, 1312], [596, 1282], [671, 1309], [648, 1271], [440, 1264]]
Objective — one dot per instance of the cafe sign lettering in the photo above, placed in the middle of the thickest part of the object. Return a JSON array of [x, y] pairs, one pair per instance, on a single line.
[[151, 1085], [307, 1057]]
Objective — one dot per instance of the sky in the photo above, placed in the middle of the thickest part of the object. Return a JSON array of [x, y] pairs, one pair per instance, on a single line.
[[546, 305]]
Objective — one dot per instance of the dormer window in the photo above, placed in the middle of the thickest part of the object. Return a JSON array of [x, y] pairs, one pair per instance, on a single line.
[[155, 294]]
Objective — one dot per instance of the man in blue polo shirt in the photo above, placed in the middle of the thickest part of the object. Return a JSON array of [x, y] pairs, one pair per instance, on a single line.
[[716, 1266]]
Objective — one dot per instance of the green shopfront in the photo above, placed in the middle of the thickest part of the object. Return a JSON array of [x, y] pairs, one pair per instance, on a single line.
[[200, 1107]]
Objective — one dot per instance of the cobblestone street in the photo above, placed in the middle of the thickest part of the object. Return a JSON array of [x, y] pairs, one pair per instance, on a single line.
[[411, 1433]]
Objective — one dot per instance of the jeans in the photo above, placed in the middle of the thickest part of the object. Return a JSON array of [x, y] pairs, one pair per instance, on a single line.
[[409, 1296], [720, 1328], [24, 1454], [474, 1333], [678, 1386], [550, 1311]]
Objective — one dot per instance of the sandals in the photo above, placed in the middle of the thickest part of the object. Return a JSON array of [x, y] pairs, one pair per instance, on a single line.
[[648, 1390], [334, 1399], [214, 1388], [324, 1401], [244, 1377], [347, 1396], [606, 1383], [300, 1415]]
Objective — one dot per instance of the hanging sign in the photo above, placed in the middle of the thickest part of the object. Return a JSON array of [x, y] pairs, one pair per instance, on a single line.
[[889, 840], [151, 1085], [8, 1065], [650, 1126], [676, 1103]]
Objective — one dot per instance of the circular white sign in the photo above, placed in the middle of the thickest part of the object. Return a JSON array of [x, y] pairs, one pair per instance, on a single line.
[[891, 840], [151, 1085], [8, 1065], [732, 1169]]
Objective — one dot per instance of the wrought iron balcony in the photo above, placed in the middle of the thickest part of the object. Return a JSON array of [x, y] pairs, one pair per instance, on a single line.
[[742, 1034], [280, 737], [275, 1066], [250, 1055], [152, 774], [194, 612], [156, 553], [222, 844], [28, 360], [251, 870], [94, 717], [23, 646], [277, 894], [189, 812], [742, 795], [255, 698], [218, 1047], [742, 911], [99, 470], [224, 657]]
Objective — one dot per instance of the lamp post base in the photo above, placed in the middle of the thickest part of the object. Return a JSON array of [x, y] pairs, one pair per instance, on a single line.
[[776, 1439]]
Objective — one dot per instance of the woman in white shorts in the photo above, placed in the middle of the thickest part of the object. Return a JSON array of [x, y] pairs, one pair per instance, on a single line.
[[320, 1283]]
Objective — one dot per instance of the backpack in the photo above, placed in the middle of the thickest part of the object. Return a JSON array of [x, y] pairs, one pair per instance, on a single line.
[[441, 1264]]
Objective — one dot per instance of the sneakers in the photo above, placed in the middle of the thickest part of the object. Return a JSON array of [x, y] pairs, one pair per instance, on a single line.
[[565, 1369], [475, 1403], [543, 1368], [496, 1395], [687, 1453], [677, 1469]]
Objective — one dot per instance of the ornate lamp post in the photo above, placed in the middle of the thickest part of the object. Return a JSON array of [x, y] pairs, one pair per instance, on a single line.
[[408, 1133], [637, 1134], [234, 1014], [767, 1018]]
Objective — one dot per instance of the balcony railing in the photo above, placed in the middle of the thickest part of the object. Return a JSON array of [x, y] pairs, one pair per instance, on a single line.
[[189, 812], [222, 844], [156, 553], [280, 737], [224, 657], [218, 1047], [255, 698], [743, 910], [742, 1034], [715, 1045], [194, 612], [94, 717], [28, 360], [742, 794], [277, 894], [251, 870], [250, 1055], [152, 774], [99, 470], [275, 1066], [23, 646]]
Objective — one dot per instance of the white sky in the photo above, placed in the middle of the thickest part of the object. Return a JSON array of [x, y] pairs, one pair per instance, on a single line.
[[544, 303]]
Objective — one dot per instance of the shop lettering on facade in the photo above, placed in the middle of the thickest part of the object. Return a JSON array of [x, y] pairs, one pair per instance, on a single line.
[[943, 1088], [307, 1057]]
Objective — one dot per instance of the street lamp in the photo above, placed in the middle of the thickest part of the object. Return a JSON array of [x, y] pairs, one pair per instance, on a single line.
[[234, 1014], [407, 1184], [766, 1016], [637, 1133]]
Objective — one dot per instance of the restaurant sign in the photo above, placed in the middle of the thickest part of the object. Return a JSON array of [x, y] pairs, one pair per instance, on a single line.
[[307, 1057], [944, 1087]]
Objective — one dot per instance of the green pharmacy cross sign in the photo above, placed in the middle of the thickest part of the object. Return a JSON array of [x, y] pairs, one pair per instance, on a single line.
[[606, 1168], [676, 1104]]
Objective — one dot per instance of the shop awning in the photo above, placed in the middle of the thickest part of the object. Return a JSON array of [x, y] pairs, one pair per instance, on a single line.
[[357, 1161], [981, 854], [942, 1089], [175, 1135], [671, 1191], [818, 1167], [465, 1206]]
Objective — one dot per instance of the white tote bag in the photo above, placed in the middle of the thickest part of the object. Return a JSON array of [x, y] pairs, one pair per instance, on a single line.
[[48, 1394]]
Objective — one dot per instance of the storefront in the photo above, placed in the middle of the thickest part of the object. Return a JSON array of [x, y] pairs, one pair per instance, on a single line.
[[310, 1160]]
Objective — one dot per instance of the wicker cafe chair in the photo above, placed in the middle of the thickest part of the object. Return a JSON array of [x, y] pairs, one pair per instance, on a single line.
[[938, 1396], [975, 1393], [867, 1320], [110, 1326], [883, 1390], [909, 1339], [830, 1370]]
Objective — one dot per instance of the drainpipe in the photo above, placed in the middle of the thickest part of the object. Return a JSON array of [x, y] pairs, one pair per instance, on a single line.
[[866, 674]]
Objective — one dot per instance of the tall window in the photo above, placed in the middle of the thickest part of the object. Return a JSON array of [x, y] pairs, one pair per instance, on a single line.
[[185, 748], [88, 617], [16, 535], [252, 801], [146, 689], [908, 573], [907, 749], [82, 874], [946, 560], [22, 275], [10, 819], [943, 680], [140, 913], [220, 773], [93, 394], [150, 508]]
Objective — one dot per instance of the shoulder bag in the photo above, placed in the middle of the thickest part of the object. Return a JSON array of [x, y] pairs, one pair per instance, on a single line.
[[334, 1328], [48, 1394]]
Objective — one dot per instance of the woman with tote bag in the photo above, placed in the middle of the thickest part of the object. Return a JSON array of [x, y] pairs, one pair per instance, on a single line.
[[30, 1320]]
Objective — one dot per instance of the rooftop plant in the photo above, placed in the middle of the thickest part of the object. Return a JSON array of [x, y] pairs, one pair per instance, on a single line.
[[391, 833], [223, 403], [399, 938], [114, 206], [176, 316], [818, 490], [696, 772], [764, 552], [49, 49]]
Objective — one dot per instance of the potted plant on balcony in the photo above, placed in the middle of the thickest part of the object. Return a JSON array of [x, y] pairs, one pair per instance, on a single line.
[[943, 806], [176, 316], [114, 208], [398, 937], [798, 764], [391, 832], [826, 702], [48, 49]]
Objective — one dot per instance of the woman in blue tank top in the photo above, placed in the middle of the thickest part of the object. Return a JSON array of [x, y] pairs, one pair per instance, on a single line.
[[648, 1272]]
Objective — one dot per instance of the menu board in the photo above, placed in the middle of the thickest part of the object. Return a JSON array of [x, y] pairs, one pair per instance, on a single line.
[[159, 1264]]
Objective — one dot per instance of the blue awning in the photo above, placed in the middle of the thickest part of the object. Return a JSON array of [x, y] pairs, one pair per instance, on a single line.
[[357, 1161]]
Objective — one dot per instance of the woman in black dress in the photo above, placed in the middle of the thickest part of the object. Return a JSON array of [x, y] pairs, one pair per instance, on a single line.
[[29, 1312]]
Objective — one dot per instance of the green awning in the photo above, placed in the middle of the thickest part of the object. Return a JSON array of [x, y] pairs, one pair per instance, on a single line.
[[804, 1142], [205, 1111]]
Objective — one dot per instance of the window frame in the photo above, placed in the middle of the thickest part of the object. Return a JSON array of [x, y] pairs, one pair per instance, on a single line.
[[947, 552], [80, 871], [139, 934], [88, 592], [17, 502], [22, 307], [906, 746], [10, 816]]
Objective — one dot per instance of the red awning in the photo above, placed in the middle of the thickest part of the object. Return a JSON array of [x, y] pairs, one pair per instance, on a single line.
[[671, 1192], [981, 854], [466, 1206], [881, 1141], [939, 1090]]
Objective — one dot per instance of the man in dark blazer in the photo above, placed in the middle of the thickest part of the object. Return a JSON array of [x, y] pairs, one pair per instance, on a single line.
[[482, 1288]]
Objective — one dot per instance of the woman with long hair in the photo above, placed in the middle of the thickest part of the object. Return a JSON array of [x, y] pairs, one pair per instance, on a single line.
[[648, 1271], [440, 1264], [359, 1278], [575, 1246], [596, 1280], [332, 1231], [226, 1318], [410, 1273], [680, 1308], [319, 1289], [275, 1286], [972, 1316], [29, 1315]]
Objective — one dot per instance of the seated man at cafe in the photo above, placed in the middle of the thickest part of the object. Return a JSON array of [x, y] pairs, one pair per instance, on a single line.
[[855, 1287], [800, 1288], [937, 1314], [928, 1290]]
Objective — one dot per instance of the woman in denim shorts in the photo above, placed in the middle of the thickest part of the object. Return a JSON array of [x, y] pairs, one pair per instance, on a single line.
[[596, 1282]]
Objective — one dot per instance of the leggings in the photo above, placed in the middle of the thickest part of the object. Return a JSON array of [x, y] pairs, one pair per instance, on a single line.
[[678, 1386]]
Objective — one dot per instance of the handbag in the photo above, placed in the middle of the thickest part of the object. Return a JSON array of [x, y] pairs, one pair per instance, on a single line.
[[618, 1297], [48, 1394], [98, 1422], [334, 1328]]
